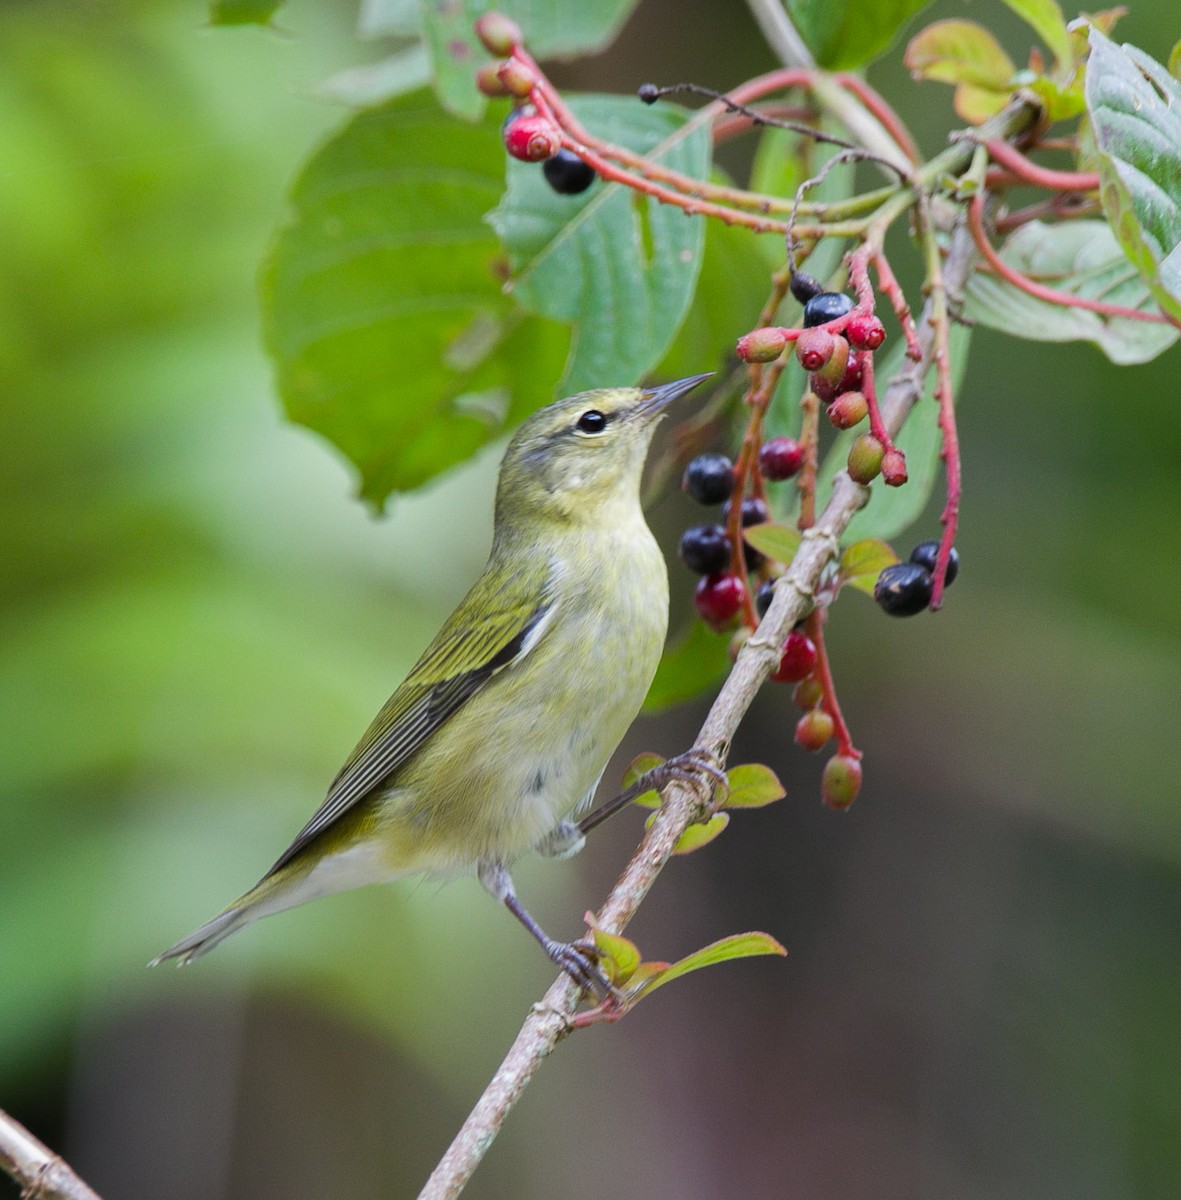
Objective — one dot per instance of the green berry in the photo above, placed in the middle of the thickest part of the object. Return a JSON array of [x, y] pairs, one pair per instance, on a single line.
[[865, 458], [848, 410], [499, 34], [762, 345], [840, 781], [814, 729]]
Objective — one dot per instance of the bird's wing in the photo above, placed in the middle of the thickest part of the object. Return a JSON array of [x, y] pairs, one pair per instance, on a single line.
[[494, 626]]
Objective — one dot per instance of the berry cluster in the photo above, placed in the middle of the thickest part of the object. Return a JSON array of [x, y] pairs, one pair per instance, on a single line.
[[905, 588]]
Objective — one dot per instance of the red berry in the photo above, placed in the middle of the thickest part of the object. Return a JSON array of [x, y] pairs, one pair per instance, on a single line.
[[841, 781], [807, 694], [865, 331], [719, 598], [851, 380], [798, 658], [814, 347], [865, 458], [531, 138], [762, 345], [498, 33], [780, 458], [894, 468], [848, 410], [516, 78], [826, 382], [813, 729]]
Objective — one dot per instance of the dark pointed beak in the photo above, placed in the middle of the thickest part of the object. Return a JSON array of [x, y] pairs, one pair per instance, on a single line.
[[654, 400]]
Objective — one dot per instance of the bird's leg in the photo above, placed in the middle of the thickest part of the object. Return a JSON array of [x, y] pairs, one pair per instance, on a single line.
[[697, 767], [563, 841], [577, 959]]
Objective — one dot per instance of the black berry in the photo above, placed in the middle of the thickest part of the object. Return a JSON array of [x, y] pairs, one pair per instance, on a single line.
[[709, 478], [804, 287], [754, 511], [705, 549], [648, 92], [924, 555], [826, 307], [903, 589], [763, 597], [567, 174]]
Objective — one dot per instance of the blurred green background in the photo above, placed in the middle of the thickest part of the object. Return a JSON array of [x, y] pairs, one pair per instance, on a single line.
[[197, 620]]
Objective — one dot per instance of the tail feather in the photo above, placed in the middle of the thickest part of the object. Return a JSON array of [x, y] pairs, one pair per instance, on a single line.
[[211, 934]]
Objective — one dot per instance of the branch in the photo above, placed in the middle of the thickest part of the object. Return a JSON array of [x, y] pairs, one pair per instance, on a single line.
[[42, 1175], [549, 1021]]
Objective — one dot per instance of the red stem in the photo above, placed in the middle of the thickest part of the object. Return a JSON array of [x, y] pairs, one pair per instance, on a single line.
[[950, 453], [1029, 172], [889, 284], [829, 701]]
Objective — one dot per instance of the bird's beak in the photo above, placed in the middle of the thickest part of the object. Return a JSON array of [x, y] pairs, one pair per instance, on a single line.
[[654, 400]]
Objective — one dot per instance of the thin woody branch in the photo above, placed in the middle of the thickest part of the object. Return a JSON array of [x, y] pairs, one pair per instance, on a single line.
[[42, 1175]]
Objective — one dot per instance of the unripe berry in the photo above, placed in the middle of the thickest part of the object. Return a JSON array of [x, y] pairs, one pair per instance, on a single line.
[[780, 458], [903, 589], [762, 345], [718, 599], [851, 381], [488, 81], [567, 174], [807, 694], [894, 468], [840, 781], [517, 79], [814, 348], [531, 137], [848, 410], [705, 549], [798, 658], [865, 458], [925, 554], [709, 478], [865, 331], [826, 382], [804, 287], [813, 729], [825, 307], [498, 34]]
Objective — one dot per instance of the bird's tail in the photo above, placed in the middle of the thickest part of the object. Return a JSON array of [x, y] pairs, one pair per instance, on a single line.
[[211, 934]]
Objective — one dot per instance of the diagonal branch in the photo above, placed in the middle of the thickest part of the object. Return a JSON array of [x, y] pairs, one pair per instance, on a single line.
[[42, 1175], [549, 1021]]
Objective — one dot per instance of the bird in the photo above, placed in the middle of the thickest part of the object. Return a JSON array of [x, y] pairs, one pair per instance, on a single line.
[[497, 739]]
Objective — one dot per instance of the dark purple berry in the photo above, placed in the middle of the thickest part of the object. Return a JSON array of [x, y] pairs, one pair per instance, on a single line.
[[826, 307], [709, 478], [648, 92], [754, 511], [763, 597], [567, 174], [804, 287], [780, 458], [924, 555], [705, 549], [903, 589]]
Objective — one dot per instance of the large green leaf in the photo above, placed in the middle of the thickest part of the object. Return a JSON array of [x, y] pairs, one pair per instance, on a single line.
[[890, 510], [692, 664], [1082, 258], [242, 12], [550, 30], [618, 266], [383, 306], [1135, 110], [850, 33]]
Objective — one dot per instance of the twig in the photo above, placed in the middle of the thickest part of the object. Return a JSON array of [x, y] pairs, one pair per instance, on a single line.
[[549, 1021], [42, 1175]]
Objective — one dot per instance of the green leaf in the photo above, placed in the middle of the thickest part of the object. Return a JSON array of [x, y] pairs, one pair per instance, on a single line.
[[863, 561], [550, 30], [1082, 258], [622, 955], [753, 785], [641, 765], [850, 33], [738, 945], [382, 305], [697, 836], [242, 12], [890, 511], [959, 52], [1135, 110], [779, 542], [1045, 17], [618, 266], [1175, 60], [374, 83], [693, 664]]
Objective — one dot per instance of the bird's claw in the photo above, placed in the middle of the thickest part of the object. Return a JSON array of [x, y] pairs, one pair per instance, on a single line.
[[699, 768], [580, 961]]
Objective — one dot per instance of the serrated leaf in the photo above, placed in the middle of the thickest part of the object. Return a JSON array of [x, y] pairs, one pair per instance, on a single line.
[[753, 785], [1046, 20], [850, 33], [693, 664], [243, 12], [738, 945], [892, 510], [1081, 258], [382, 305], [1135, 110], [776, 541], [959, 52], [621, 955], [618, 266], [861, 562], [550, 30]]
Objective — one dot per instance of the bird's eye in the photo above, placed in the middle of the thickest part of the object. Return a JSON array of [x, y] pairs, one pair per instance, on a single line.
[[592, 421]]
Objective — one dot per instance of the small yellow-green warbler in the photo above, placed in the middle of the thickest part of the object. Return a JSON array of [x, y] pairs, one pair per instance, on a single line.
[[502, 730]]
